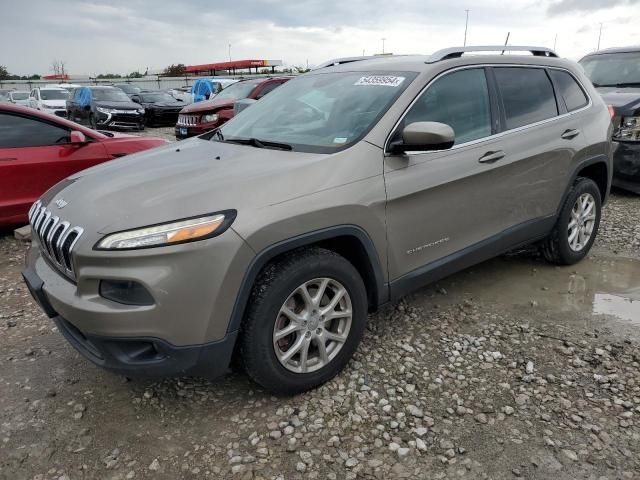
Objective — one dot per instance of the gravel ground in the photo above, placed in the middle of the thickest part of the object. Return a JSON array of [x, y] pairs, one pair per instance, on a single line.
[[502, 371]]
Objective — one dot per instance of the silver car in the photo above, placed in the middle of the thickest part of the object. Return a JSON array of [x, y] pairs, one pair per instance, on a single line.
[[272, 237]]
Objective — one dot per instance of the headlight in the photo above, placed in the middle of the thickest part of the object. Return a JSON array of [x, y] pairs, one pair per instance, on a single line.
[[141, 110], [105, 110], [212, 117], [629, 129], [181, 231]]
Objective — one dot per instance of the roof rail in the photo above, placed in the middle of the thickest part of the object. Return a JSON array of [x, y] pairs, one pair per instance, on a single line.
[[457, 52], [340, 61]]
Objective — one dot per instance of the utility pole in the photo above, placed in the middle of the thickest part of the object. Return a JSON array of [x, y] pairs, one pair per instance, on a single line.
[[229, 52], [383, 39], [466, 27], [555, 41], [599, 37]]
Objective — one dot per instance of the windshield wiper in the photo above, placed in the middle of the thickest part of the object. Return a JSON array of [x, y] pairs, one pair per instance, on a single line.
[[254, 142], [618, 85]]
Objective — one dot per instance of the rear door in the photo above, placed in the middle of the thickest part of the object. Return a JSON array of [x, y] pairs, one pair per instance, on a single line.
[[540, 140], [35, 155]]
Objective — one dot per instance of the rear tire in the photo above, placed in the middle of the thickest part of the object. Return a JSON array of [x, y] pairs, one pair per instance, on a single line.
[[323, 337], [577, 226]]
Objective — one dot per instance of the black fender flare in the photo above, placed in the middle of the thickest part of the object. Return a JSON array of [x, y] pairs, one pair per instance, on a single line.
[[381, 293], [582, 165]]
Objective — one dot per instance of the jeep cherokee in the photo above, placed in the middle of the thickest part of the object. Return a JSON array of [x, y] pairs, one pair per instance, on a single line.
[[272, 237]]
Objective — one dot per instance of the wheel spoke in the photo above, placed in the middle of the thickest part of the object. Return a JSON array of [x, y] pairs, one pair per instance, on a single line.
[[334, 301], [304, 291], [321, 289], [322, 350], [334, 336], [304, 355], [336, 314], [293, 349], [573, 234], [286, 331], [572, 223], [290, 314]]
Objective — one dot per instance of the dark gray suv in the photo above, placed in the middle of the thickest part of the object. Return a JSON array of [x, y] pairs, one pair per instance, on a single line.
[[272, 237]]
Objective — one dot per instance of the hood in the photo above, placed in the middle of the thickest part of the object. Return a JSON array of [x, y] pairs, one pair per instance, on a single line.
[[55, 103], [625, 101], [192, 178], [118, 105], [208, 105], [172, 105]]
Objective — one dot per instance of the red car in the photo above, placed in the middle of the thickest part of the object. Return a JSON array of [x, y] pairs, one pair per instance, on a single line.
[[38, 150], [203, 116]]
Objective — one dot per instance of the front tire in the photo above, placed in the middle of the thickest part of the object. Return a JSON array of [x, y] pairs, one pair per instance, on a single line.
[[306, 315], [577, 226], [92, 121]]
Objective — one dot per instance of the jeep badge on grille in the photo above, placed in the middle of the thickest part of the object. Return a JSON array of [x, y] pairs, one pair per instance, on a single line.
[[61, 203]]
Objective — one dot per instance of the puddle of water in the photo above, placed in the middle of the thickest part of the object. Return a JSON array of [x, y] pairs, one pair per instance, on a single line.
[[617, 306], [599, 285]]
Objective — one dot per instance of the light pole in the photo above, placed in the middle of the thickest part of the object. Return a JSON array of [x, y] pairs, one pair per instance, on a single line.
[[229, 52], [555, 41], [383, 39], [599, 37], [466, 27]]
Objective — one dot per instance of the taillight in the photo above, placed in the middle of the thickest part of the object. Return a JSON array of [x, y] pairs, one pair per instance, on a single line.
[[612, 112]]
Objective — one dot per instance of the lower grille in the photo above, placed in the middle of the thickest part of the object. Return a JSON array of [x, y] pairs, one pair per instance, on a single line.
[[56, 237]]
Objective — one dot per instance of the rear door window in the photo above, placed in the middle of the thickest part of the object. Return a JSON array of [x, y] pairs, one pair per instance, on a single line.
[[459, 99], [17, 131], [569, 89], [527, 95]]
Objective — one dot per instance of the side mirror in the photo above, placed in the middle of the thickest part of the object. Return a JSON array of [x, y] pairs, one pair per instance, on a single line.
[[424, 136], [135, 98], [76, 137], [179, 99]]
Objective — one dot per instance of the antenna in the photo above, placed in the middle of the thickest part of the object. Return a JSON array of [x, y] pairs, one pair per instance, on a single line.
[[506, 41]]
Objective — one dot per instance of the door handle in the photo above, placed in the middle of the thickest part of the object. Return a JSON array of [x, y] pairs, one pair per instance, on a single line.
[[7, 159], [570, 133], [491, 157]]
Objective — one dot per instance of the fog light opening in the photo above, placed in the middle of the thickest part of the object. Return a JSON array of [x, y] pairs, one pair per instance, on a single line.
[[126, 292]]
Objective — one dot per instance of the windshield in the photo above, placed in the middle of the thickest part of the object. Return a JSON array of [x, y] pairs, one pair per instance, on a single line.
[[20, 95], [54, 94], [237, 91], [128, 88], [109, 95], [157, 97], [613, 69], [319, 113]]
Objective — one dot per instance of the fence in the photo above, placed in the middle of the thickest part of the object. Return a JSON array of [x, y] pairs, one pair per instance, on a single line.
[[147, 83]]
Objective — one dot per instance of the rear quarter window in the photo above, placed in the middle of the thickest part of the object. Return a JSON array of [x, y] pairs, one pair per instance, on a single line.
[[569, 89], [527, 95]]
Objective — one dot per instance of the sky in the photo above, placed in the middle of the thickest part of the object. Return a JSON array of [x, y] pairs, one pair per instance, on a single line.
[[121, 36]]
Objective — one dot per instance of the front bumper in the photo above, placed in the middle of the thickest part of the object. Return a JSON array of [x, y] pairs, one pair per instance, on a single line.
[[626, 166], [138, 356], [185, 331], [184, 131], [124, 121]]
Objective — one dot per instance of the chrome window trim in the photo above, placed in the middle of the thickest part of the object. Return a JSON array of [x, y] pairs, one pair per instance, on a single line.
[[495, 135]]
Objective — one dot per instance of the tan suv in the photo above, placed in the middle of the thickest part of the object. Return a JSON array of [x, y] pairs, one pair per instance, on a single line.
[[272, 237]]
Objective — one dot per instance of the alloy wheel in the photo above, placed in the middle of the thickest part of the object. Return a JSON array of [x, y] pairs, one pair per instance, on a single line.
[[312, 325], [582, 221]]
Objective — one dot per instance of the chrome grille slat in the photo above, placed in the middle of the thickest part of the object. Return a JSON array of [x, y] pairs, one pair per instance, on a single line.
[[188, 120], [56, 237]]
